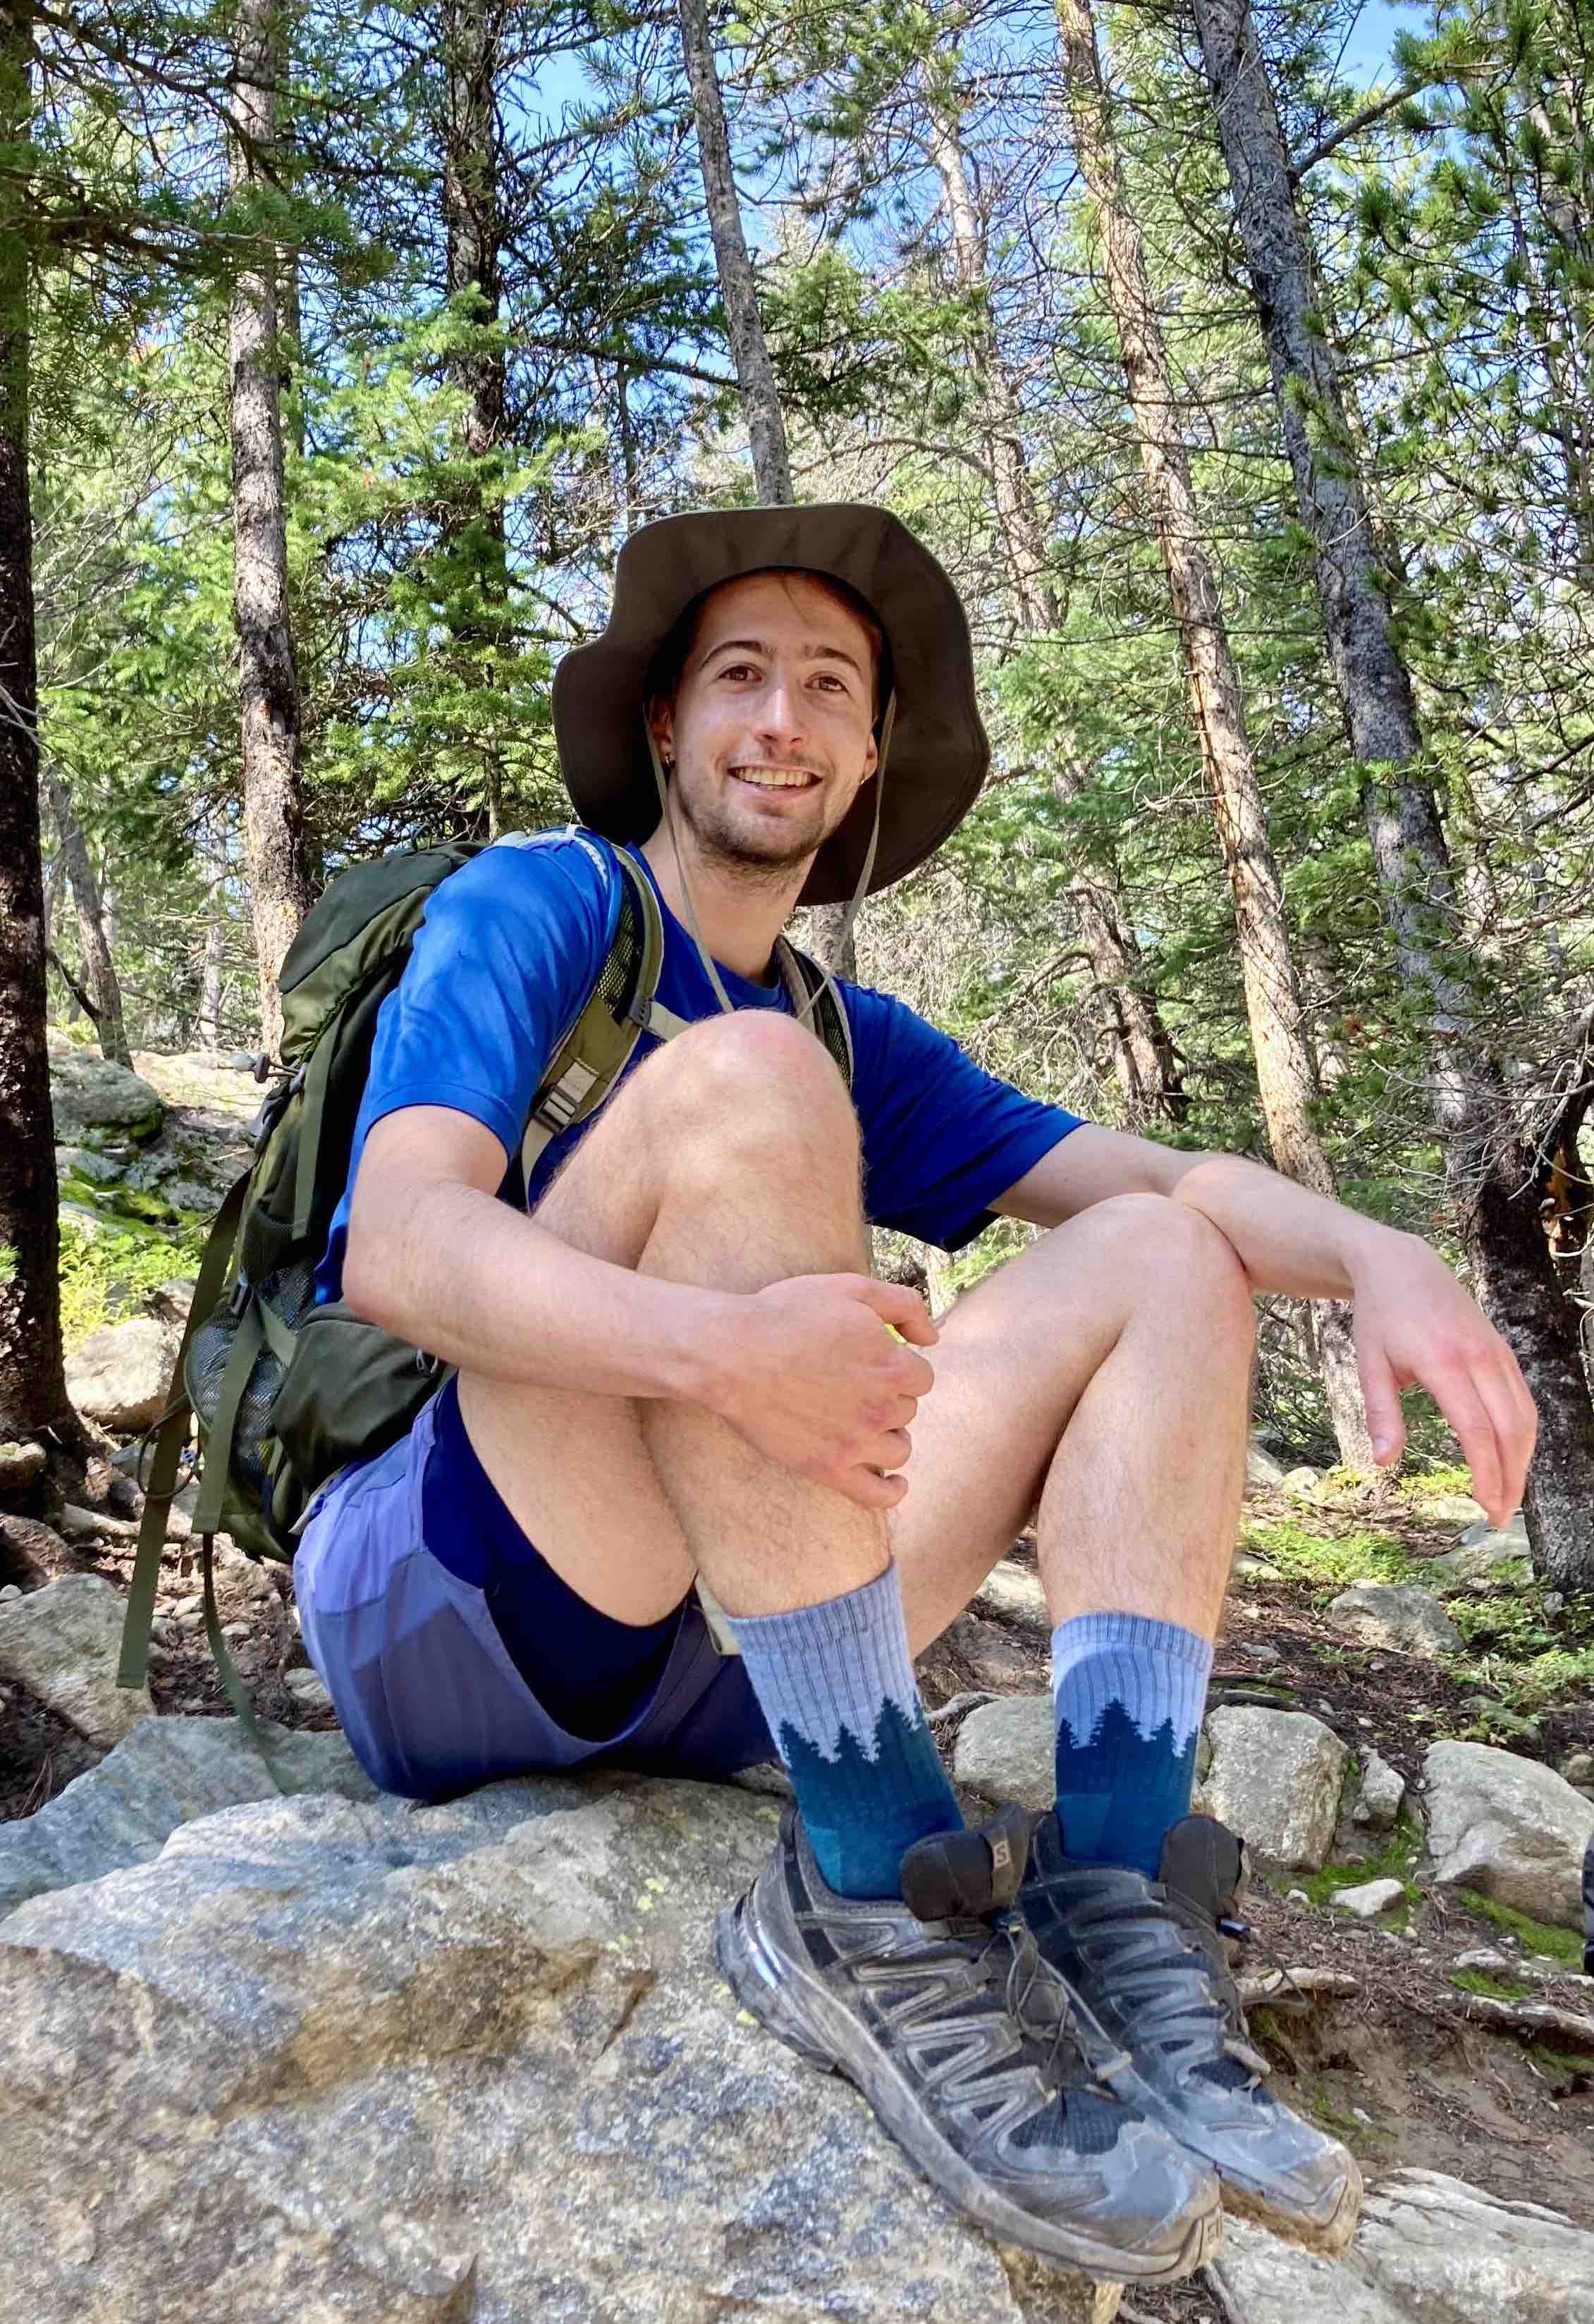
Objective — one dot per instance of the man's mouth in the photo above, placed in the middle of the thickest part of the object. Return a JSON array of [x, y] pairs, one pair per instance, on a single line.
[[777, 778]]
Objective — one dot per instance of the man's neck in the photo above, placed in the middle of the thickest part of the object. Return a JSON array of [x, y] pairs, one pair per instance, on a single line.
[[739, 921]]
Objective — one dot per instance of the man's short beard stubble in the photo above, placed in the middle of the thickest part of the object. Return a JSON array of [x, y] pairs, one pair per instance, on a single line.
[[724, 844]]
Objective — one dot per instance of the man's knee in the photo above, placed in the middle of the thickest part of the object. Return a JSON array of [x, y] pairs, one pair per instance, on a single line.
[[1171, 1253], [757, 1080]]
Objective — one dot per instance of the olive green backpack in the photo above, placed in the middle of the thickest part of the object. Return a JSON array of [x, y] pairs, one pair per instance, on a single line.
[[283, 1393]]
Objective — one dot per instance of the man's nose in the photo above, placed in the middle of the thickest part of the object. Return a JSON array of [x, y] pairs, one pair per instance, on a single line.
[[780, 709]]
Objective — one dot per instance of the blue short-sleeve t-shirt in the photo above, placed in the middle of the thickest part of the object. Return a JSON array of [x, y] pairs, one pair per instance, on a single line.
[[504, 961]]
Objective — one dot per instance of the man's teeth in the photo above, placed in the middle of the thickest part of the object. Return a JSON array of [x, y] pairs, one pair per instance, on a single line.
[[771, 779]]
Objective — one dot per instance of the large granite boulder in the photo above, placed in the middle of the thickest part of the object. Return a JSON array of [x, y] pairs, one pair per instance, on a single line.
[[1429, 2250], [1275, 1778], [62, 1643], [89, 1095], [1509, 1827], [467, 2064], [1487, 1554], [119, 1375], [168, 1772]]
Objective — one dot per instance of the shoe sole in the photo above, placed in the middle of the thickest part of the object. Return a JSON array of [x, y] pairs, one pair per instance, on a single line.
[[795, 2006], [1244, 2197]]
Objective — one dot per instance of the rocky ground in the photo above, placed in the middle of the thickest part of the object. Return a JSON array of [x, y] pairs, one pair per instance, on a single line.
[[1401, 1723]]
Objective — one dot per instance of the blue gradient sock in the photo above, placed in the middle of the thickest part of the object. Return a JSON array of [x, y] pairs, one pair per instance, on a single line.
[[1128, 1692], [837, 1684]]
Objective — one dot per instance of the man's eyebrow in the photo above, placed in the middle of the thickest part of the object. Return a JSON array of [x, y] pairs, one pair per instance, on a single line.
[[758, 646]]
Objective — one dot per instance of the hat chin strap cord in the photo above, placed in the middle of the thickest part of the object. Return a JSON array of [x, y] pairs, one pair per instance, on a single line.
[[859, 892]]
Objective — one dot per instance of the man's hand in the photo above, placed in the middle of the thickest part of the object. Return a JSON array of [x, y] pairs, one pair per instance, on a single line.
[[1414, 1324], [808, 1373]]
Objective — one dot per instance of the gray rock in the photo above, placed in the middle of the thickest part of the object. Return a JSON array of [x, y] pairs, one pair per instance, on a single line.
[[61, 1642], [1373, 1897], [81, 1220], [88, 1093], [83, 1162], [1430, 2250], [1013, 1594], [21, 1465], [1578, 1767], [119, 1376], [1275, 1778], [1485, 1958], [325, 2058], [1454, 1508], [306, 1687], [1509, 1827], [167, 1772], [1249, 1567], [1257, 1651], [1263, 1473], [76, 1525], [1399, 1614], [1008, 1751], [1303, 1484], [1379, 1791], [1486, 1555]]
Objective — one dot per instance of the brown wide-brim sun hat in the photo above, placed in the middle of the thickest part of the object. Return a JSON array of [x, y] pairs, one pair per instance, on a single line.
[[938, 753]]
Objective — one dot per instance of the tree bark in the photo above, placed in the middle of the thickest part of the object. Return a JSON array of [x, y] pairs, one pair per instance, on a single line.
[[274, 837], [1493, 1174], [213, 854], [1144, 1065], [32, 1388], [755, 373], [103, 983], [1287, 1068], [472, 219]]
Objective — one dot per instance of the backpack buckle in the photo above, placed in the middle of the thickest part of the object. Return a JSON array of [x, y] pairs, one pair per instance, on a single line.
[[241, 1293]]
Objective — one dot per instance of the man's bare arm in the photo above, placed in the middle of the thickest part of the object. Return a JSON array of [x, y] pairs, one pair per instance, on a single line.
[[804, 1370], [1414, 1324], [436, 1258]]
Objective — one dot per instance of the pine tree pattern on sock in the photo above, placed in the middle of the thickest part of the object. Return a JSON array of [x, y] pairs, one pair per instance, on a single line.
[[1128, 1692], [836, 1684]]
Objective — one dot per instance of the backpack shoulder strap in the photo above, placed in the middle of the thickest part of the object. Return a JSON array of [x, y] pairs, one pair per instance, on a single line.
[[620, 1007], [806, 982]]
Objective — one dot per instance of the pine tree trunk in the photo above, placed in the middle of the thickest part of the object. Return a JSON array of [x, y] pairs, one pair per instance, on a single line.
[[274, 809], [1493, 1174], [1142, 1062], [32, 1390], [1286, 1068], [473, 218], [755, 373], [101, 967], [213, 854]]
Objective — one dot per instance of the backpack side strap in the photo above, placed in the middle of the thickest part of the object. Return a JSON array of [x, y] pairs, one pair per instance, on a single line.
[[171, 1435], [597, 1048]]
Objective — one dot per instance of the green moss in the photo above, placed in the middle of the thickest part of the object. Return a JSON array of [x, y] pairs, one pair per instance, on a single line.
[[1332, 1561], [1494, 1988], [1562, 1945], [1560, 2071], [1398, 1860]]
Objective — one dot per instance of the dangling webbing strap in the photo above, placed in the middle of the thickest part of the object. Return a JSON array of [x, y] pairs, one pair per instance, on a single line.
[[171, 1437]]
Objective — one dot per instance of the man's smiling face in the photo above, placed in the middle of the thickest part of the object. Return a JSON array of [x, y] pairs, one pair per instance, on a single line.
[[771, 728]]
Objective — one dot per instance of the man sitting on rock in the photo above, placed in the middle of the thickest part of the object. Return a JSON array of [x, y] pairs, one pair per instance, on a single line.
[[676, 1391]]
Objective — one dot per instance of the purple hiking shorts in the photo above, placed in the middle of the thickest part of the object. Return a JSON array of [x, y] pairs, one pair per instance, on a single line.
[[421, 1682]]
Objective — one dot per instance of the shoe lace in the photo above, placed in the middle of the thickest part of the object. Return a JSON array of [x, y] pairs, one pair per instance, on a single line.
[[1032, 1994]]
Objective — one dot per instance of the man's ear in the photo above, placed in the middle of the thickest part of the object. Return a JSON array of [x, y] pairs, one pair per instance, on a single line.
[[662, 726]]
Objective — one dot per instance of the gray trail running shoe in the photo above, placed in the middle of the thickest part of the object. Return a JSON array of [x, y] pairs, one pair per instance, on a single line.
[[1146, 1962], [942, 2012]]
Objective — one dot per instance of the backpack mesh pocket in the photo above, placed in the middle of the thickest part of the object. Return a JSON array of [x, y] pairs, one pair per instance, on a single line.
[[289, 1293]]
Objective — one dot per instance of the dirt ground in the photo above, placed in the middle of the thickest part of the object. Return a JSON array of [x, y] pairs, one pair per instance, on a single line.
[[1395, 2069]]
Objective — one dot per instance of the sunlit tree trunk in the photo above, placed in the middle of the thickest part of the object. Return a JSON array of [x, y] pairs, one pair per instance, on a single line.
[[104, 987], [268, 682], [1286, 1068], [1144, 1065], [1494, 1174], [755, 373]]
